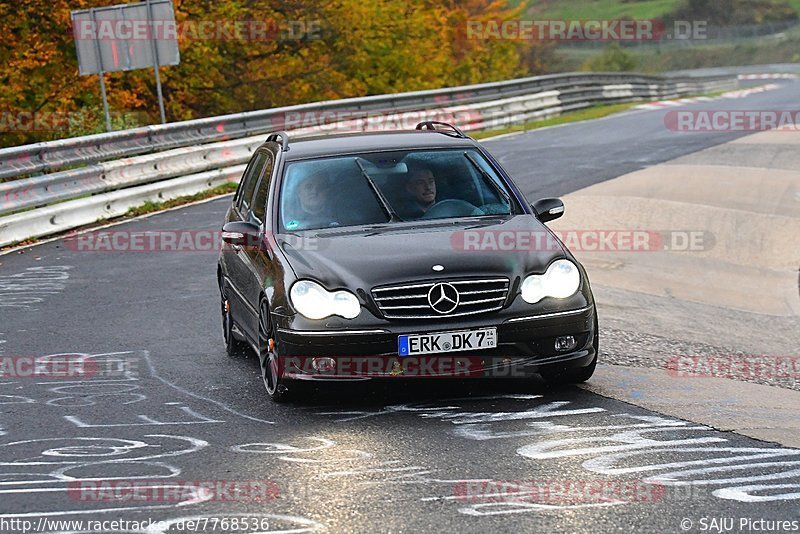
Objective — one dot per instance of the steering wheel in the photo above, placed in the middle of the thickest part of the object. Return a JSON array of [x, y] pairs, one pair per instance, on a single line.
[[451, 208]]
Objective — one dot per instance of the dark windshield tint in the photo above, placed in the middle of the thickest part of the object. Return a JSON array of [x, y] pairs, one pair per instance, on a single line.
[[408, 186]]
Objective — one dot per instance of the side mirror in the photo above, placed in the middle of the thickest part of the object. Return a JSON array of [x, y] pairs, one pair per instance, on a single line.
[[548, 209], [241, 234]]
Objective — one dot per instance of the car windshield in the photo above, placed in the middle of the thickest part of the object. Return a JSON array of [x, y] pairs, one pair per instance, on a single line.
[[391, 187]]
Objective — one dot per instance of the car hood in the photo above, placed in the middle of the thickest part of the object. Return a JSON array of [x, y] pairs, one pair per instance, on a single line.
[[363, 258]]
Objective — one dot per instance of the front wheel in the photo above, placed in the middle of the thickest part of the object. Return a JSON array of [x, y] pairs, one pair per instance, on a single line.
[[271, 372], [232, 345]]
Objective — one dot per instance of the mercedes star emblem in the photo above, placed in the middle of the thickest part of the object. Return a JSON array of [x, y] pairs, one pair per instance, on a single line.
[[443, 298]]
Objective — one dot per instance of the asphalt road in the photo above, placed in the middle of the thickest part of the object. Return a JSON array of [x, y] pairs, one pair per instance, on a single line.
[[428, 456], [557, 161]]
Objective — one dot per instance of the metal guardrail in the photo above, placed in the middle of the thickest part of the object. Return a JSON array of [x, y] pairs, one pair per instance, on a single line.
[[52, 155], [156, 176], [108, 176], [76, 213]]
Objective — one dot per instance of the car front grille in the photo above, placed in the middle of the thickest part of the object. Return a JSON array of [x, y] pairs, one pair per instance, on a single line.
[[410, 301]]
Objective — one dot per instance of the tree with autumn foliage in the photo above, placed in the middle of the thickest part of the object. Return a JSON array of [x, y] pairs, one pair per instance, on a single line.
[[362, 48]]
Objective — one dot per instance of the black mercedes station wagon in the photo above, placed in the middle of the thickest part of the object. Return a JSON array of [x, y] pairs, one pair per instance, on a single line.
[[398, 254]]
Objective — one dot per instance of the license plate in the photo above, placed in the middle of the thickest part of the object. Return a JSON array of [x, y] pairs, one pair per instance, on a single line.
[[485, 338]]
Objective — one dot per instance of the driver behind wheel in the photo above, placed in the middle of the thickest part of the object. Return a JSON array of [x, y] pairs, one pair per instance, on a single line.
[[421, 192]]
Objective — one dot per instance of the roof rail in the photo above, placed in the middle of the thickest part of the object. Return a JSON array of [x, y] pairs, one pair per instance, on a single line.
[[431, 125], [280, 137]]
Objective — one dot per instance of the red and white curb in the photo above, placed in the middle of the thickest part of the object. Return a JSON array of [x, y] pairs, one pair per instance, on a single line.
[[740, 93], [768, 76], [672, 103]]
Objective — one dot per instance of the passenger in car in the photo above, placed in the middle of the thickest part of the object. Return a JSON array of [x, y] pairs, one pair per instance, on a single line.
[[313, 208]]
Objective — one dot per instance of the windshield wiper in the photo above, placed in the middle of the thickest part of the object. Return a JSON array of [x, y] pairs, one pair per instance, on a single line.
[[393, 217], [487, 177]]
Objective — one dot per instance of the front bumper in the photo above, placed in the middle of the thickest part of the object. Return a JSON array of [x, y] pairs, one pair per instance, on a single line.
[[525, 345]]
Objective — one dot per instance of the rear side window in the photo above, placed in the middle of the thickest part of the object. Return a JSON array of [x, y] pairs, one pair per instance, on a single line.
[[249, 181], [259, 203]]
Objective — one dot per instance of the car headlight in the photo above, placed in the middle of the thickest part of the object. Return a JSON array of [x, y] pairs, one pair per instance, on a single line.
[[313, 301], [561, 280]]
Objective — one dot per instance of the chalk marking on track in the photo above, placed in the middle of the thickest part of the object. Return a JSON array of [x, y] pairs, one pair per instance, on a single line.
[[154, 374]]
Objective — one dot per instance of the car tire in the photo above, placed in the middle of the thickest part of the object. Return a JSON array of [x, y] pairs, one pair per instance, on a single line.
[[561, 376], [233, 346], [271, 372]]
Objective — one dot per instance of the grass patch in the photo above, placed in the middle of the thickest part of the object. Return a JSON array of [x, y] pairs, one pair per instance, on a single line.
[[601, 9], [593, 112], [655, 59], [152, 207], [752, 53], [754, 12]]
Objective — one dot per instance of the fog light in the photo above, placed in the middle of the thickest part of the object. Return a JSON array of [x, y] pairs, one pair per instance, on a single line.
[[565, 343], [323, 365]]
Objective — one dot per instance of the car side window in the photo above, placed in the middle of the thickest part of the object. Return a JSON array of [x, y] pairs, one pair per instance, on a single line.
[[249, 181], [259, 203]]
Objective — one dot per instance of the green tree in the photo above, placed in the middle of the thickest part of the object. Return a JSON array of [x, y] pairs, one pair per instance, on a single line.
[[612, 59]]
